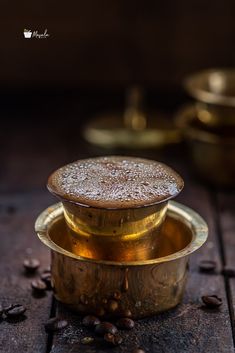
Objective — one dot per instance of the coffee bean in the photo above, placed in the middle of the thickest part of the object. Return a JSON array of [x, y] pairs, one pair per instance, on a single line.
[[138, 350], [105, 327], [207, 265], [116, 295], [55, 324], [31, 265], [212, 301], [46, 278], [87, 340], [112, 339], [38, 286], [90, 321], [125, 313], [228, 271], [125, 323], [112, 305], [14, 310]]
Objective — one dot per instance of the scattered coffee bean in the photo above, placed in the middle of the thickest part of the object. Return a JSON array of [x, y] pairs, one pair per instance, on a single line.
[[112, 305], [105, 327], [125, 323], [14, 310], [90, 321], [55, 324], [87, 340], [207, 265], [46, 278], [31, 265], [138, 350], [116, 295], [125, 313], [38, 286], [212, 301], [228, 271], [113, 339]]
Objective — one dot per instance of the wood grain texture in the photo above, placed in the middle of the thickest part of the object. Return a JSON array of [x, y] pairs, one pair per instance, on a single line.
[[17, 214], [226, 224]]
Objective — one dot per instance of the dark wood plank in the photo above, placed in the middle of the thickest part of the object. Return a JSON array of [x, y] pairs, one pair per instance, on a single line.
[[18, 240], [226, 211], [188, 328]]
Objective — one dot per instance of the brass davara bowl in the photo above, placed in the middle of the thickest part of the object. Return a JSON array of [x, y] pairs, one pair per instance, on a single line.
[[116, 289], [214, 92], [212, 149]]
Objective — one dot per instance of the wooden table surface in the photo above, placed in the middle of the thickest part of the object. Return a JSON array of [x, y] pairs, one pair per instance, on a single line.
[[29, 152]]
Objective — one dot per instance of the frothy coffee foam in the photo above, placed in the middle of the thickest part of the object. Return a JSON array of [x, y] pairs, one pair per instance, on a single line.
[[115, 182]]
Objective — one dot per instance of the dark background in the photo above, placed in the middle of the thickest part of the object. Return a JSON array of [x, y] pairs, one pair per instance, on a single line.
[[50, 87], [97, 48]]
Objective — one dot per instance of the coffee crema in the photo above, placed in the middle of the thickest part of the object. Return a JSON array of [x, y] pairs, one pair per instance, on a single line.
[[115, 182]]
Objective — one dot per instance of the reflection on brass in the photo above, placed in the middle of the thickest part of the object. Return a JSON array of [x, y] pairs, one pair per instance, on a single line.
[[134, 116], [214, 91], [147, 287], [134, 128], [212, 150], [119, 234]]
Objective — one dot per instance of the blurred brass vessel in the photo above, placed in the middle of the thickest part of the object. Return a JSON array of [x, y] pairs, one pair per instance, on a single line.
[[132, 128], [212, 150], [214, 92], [126, 288]]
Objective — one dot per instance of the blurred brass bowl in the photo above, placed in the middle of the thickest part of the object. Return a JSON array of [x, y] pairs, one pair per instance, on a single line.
[[212, 150], [109, 130], [214, 91], [114, 289]]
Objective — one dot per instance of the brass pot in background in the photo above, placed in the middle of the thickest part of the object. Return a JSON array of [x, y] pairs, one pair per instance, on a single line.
[[214, 92], [212, 150]]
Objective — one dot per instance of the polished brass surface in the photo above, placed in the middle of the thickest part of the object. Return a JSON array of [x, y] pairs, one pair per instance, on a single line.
[[214, 91], [134, 128], [115, 234], [109, 131], [120, 227], [145, 287], [212, 151]]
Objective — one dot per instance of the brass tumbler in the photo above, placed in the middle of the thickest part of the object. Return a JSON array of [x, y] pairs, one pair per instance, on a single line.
[[125, 226]]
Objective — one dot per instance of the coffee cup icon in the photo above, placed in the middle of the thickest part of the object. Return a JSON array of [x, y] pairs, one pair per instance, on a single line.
[[27, 33]]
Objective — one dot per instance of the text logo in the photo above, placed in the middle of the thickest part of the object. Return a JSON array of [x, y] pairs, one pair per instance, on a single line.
[[28, 33]]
